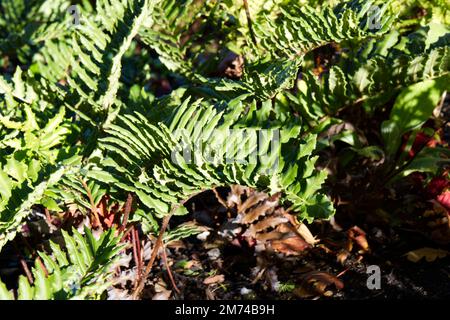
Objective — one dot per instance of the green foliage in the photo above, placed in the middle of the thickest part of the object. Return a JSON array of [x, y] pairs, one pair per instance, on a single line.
[[412, 108], [32, 159], [375, 74], [167, 164], [78, 103], [84, 272]]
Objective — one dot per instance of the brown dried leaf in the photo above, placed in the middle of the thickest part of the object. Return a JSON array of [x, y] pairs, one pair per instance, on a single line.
[[316, 283], [231, 66], [264, 209], [325, 278], [290, 246], [342, 256], [161, 292], [234, 197], [430, 254], [214, 279], [306, 234], [359, 236], [272, 235], [265, 224], [252, 199]]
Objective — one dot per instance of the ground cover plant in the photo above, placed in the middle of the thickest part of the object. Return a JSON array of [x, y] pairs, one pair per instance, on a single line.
[[191, 149]]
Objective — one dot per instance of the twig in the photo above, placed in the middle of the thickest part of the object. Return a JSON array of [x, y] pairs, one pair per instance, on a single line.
[[342, 272], [135, 254], [127, 231], [126, 212], [48, 217], [138, 249], [169, 272], [140, 285], [26, 269], [42, 265]]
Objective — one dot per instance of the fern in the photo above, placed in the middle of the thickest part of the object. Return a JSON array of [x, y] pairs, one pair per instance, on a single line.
[[30, 163], [256, 128], [373, 76], [300, 29], [142, 153], [83, 273]]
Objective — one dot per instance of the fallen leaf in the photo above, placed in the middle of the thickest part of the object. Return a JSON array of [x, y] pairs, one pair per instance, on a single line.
[[161, 292], [269, 222], [430, 254], [290, 246], [261, 210], [253, 199], [359, 236], [315, 283], [306, 234], [214, 279], [342, 256]]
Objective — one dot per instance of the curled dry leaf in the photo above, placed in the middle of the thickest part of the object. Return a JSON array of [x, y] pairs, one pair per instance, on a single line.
[[161, 293], [214, 279], [252, 200], [306, 234], [255, 213], [315, 283], [289, 246], [359, 237], [430, 254], [342, 256], [265, 224]]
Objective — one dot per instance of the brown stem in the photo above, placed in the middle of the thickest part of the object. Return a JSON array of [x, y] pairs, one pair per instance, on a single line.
[[127, 231], [127, 211], [138, 249], [26, 270], [140, 285], [169, 272], [48, 217], [42, 265], [135, 254]]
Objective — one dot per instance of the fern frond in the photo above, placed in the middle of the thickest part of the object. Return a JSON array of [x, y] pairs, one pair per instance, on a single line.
[[301, 28], [84, 272], [24, 180], [151, 160], [376, 75]]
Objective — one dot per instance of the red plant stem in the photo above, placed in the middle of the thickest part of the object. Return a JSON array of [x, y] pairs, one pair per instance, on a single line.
[[135, 254], [138, 250], [42, 265], [169, 272], [126, 211], [26, 270], [140, 285], [127, 231]]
